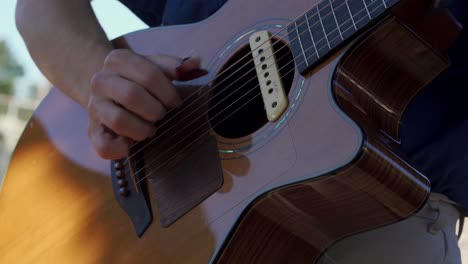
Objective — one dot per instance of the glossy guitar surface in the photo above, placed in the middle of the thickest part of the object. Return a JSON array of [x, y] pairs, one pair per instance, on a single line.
[[327, 169]]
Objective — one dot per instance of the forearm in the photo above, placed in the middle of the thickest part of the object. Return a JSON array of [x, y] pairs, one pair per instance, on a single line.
[[65, 40]]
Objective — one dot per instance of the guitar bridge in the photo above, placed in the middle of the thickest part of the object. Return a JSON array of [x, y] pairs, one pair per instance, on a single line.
[[130, 194]]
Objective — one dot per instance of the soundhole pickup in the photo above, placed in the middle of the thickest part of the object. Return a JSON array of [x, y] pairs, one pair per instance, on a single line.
[[266, 66]]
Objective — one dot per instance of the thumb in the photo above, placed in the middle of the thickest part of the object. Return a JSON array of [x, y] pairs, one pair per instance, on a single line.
[[178, 69]]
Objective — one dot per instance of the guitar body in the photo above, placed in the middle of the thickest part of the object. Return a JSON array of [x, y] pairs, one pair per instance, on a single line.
[[292, 188]]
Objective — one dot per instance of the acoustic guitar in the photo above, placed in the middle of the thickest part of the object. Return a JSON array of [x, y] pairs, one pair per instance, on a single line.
[[287, 146]]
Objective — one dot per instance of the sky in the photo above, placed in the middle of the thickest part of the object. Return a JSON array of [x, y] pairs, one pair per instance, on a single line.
[[113, 16]]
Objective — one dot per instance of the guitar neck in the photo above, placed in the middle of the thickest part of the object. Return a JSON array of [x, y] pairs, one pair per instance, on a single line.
[[329, 24]]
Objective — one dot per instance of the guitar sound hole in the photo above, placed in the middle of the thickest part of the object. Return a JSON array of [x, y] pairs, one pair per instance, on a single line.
[[236, 107]]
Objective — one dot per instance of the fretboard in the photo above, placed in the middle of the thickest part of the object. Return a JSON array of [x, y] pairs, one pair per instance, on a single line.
[[327, 25]]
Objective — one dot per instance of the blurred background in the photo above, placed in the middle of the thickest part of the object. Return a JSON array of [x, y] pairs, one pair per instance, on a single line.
[[22, 86]]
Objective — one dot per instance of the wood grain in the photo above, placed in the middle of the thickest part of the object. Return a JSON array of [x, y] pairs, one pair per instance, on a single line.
[[57, 204]]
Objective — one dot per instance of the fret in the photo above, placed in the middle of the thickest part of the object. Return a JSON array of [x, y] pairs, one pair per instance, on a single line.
[[323, 28], [344, 18], [375, 7], [385, 5], [306, 39], [317, 32], [351, 15], [334, 16], [358, 10], [312, 36], [365, 5], [329, 25], [299, 57], [300, 41]]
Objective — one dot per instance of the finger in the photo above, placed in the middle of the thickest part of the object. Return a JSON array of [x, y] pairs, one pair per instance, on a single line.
[[179, 69], [107, 145], [119, 120], [145, 73], [129, 95]]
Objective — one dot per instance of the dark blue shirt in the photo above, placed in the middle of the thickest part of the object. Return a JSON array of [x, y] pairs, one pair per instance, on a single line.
[[172, 12], [434, 127]]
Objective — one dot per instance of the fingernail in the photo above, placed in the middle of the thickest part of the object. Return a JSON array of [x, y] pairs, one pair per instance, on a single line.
[[193, 74], [181, 62]]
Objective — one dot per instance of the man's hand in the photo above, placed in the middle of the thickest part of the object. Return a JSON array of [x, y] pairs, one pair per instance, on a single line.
[[125, 96], [129, 94]]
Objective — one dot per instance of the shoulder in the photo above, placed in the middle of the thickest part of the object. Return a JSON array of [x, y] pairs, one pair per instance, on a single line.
[[173, 12], [149, 11]]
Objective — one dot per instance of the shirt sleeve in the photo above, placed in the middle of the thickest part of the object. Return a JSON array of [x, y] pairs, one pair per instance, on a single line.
[[149, 11]]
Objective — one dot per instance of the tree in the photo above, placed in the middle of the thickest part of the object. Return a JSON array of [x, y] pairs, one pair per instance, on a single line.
[[9, 69]]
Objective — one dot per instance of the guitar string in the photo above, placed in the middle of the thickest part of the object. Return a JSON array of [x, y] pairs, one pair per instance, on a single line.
[[193, 141], [325, 253], [250, 53], [224, 71], [246, 64], [221, 120], [237, 99]]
